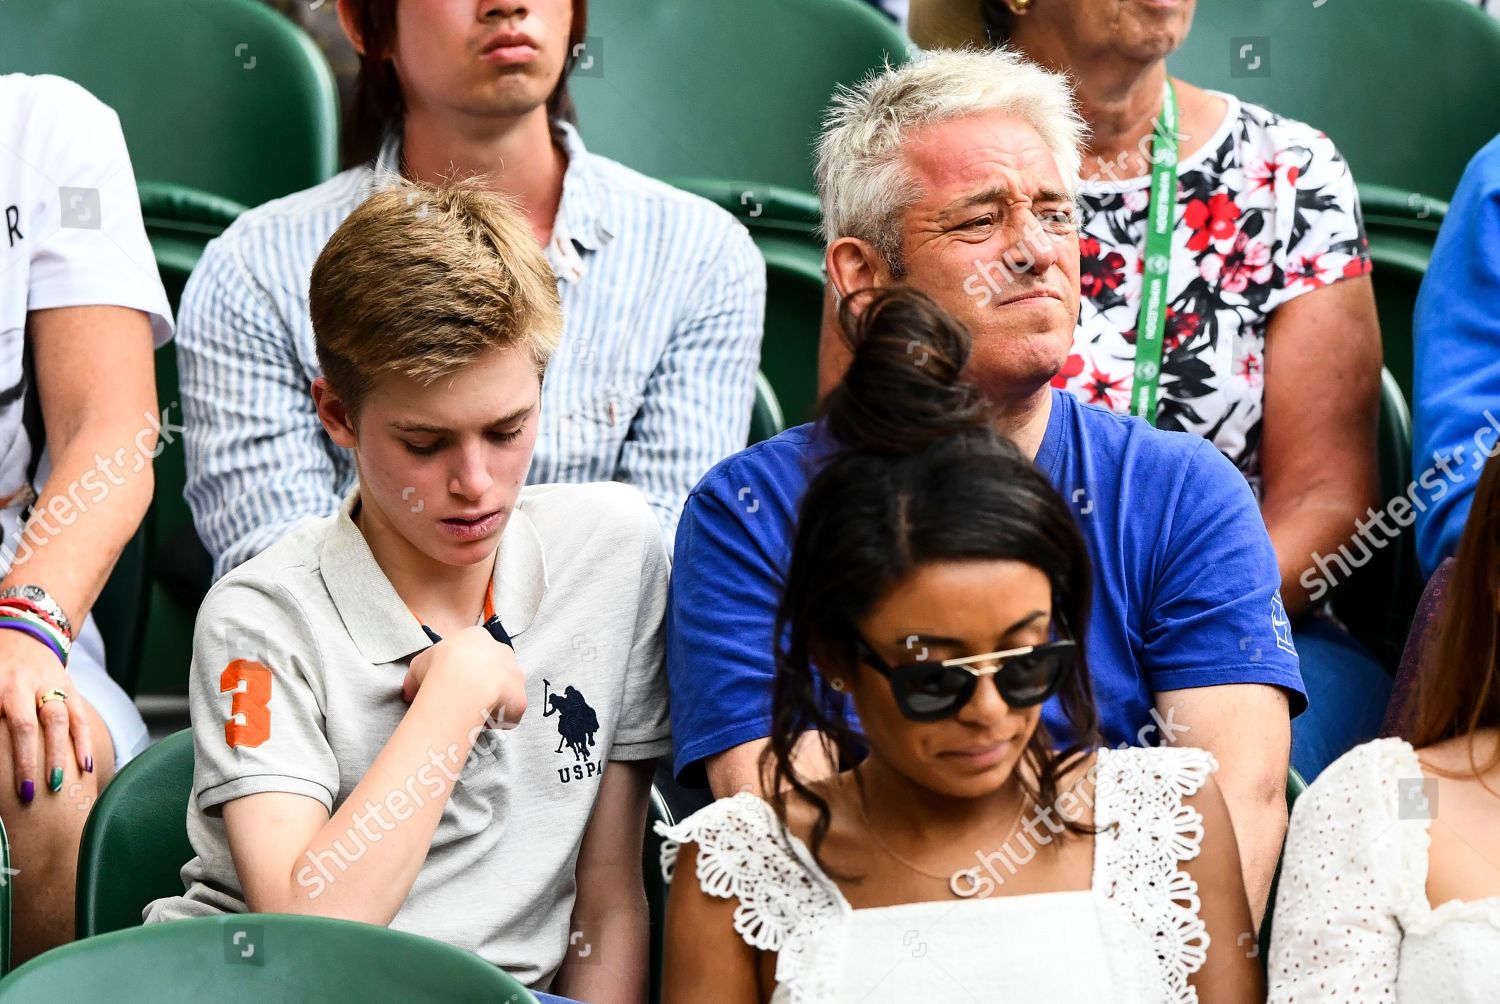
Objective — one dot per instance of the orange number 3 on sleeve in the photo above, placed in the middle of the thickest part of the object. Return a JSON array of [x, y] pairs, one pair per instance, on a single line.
[[249, 722]]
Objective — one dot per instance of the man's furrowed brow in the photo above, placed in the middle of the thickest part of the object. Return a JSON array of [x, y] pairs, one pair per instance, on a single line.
[[984, 197], [999, 194]]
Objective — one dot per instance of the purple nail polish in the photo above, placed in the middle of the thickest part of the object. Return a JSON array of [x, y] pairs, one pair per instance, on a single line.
[[88, 764], [28, 791]]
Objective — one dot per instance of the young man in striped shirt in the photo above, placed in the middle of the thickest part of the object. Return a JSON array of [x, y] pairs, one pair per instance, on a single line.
[[663, 294]]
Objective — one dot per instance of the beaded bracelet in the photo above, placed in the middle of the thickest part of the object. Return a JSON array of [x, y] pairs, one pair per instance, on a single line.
[[26, 627], [19, 603]]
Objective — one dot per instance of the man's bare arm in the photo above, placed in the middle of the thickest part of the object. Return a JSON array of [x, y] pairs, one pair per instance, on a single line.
[[738, 768], [1247, 727]]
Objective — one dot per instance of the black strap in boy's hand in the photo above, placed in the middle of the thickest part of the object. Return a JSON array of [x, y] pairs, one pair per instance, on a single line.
[[493, 626]]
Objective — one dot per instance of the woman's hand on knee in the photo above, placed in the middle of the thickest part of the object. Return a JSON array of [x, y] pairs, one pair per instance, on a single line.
[[57, 728]]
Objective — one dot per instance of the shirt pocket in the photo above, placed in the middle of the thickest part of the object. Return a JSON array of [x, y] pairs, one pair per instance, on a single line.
[[591, 437]]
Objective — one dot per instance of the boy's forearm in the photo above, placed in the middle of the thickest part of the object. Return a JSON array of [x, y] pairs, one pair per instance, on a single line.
[[389, 819]]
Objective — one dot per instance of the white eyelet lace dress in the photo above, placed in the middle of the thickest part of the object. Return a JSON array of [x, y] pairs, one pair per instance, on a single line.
[[1352, 921], [1133, 937]]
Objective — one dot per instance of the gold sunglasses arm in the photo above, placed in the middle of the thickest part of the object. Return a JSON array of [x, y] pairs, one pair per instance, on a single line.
[[1009, 653]]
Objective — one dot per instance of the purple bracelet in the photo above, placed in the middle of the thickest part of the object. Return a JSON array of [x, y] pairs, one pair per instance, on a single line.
[[16, 624]]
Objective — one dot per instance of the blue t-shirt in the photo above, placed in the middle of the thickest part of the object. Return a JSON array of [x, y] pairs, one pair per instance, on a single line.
[[1186, 585], [1456, 421]]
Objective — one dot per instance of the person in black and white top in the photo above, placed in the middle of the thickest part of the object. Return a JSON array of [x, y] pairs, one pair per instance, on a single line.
[[81, 307]]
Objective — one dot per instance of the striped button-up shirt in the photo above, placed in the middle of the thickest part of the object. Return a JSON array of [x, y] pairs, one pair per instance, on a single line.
[[663, 298]]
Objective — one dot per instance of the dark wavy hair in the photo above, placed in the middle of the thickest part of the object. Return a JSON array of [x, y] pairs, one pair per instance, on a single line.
[[1459, 693], [998, 21], [918, 476], [377, 104]]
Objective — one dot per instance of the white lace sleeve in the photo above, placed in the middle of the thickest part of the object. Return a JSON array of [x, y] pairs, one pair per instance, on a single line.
[[742, 855], [1350, 870], [1142, 790]]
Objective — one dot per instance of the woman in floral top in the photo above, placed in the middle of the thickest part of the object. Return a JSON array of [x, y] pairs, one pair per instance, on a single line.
[[1271, 347]]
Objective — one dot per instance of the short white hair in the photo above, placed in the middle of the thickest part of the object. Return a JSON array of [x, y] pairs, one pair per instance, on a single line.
[[863, 183]]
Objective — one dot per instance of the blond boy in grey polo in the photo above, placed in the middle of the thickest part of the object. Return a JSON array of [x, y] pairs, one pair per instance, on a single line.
[[298, 662]]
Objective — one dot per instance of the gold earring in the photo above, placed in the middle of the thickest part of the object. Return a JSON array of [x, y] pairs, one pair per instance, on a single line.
[[836, 684], [1020, 5]]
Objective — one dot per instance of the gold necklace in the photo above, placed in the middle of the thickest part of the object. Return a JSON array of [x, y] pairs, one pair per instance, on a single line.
[[970, 875]]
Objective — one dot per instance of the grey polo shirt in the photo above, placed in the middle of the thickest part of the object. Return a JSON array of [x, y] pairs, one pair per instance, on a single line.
[[298, 659]]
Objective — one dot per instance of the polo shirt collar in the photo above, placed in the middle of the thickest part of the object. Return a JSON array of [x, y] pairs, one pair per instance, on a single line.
[[583, 219], [373, 613]]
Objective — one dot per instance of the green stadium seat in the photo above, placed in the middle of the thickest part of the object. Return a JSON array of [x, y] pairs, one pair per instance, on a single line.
[[1400, 259], [180, 221], [1395, 210], [135, 841], [225, 96], [251, 959], [766, 420], [783, 222], [1377, 601], [120, 610], [1402, 227], [744, 89], [1295, 786], [1395, 83], [135, 844]]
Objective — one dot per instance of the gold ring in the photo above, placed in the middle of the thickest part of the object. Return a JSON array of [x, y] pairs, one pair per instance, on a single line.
[[52, 695]]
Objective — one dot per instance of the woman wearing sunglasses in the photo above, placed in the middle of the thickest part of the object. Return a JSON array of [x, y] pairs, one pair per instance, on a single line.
[[940, 587]]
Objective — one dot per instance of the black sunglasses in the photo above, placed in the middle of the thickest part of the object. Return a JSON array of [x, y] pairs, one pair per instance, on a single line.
[[929, 691]]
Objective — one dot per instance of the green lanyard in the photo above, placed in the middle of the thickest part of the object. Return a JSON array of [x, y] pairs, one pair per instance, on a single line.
[[1161, 217]]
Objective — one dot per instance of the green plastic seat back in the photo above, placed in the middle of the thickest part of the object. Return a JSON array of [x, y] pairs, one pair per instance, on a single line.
[[766, 420], [135, 841], [1379, 598], [656, 886], [180, 221], [1401, 86], [783, 222], [722, 88], [120, 610], [1401, 257], [226, 96], [258, 958], [135, 844], [794, 317], [1295, 786]]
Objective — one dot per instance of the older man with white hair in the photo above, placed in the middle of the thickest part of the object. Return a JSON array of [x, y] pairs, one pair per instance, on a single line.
[[954, 174]]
